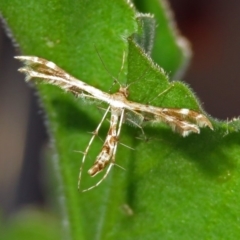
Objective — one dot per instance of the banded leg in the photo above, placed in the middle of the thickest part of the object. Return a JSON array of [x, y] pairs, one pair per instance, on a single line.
[[89, 144], [112, 160]]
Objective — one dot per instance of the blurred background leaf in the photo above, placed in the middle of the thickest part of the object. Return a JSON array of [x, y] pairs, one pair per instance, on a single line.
[[31, 224]]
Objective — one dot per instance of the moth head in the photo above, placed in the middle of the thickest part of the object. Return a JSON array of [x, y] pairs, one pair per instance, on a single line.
[[124, 91]]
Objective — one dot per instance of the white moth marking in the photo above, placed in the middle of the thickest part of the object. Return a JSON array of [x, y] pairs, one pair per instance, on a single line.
[[184, 111], [51, 65], [184, 121]]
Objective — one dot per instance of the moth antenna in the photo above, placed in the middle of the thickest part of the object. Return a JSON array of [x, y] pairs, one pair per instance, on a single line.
[[115, 80], [139, 78], [161, 93]]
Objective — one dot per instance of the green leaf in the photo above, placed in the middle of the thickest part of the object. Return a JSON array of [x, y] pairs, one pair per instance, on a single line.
[[173, 187]]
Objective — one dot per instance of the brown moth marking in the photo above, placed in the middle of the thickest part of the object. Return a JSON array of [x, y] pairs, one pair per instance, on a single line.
[[184, 121], [109, 148]]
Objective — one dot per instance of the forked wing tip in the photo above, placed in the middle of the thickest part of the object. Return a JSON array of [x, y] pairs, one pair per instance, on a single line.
[[206, 123]]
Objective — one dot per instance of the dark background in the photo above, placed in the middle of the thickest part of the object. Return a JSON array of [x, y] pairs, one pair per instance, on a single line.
[[212, 27]]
